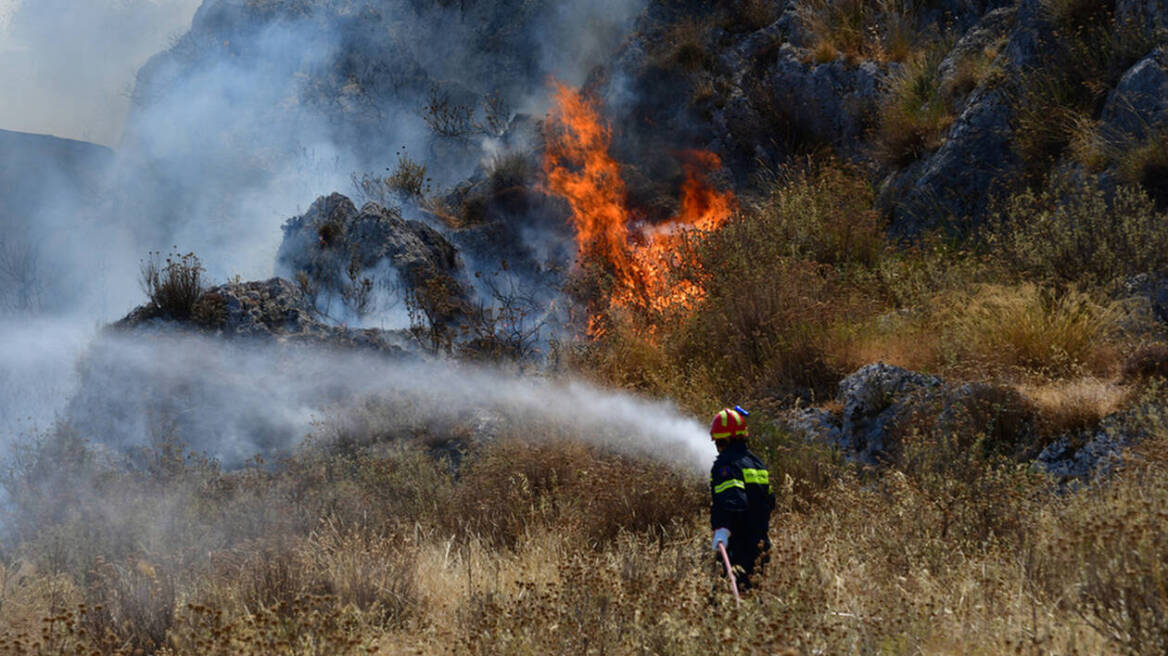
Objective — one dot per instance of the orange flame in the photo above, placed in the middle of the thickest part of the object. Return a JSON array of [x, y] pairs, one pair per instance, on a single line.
[[580, 170]]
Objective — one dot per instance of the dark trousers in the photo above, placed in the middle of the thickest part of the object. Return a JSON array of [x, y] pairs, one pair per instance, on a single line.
[[746, 555]]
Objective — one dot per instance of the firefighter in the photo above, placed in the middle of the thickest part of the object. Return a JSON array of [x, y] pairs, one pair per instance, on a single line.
[[741, 496]]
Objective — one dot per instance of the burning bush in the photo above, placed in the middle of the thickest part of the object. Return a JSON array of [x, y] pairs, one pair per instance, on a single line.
[[626, 264]]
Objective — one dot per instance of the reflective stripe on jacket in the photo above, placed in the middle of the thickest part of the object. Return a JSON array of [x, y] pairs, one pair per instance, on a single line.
[[741, 493]]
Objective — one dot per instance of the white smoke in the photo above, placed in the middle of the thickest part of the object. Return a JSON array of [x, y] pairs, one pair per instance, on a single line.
[[38, 375], [66, 66], [233, 400], [213, 160]]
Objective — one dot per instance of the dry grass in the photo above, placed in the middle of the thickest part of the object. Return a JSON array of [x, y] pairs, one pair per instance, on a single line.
[[684, 45], [1030, 328], [883, 31], [915, 115], [950, 551], [1066, 406]]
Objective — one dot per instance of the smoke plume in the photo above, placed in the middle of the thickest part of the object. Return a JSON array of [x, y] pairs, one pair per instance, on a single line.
[[236, 126], [234, 400]]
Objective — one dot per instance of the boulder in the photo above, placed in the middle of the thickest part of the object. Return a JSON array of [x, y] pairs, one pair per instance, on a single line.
[[1147, 295], [1095, 452], [333, 247], [1139, 103], [952, 187], [872, 402], [882, 404], [833, 102]]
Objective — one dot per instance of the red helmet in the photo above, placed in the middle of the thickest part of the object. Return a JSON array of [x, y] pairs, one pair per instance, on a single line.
[[730, 422]]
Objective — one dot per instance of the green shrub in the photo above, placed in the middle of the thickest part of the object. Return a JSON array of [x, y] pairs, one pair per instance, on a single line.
[[1073, 233], [823, 215]]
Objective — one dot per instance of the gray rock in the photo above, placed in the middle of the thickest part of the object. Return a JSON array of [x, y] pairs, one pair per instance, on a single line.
[[270, 310], [1094, 453], [952, 186], [882, 404], [834, 102], [791, 26], [1151, 291], [992, 28], [323, 244], [870, 397], [1149, 15], [1096, 458], [1031, 31], [1139, 103], [815, 425]]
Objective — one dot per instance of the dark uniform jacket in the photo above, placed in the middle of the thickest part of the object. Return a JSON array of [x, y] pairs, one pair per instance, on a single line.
[[742, 500]]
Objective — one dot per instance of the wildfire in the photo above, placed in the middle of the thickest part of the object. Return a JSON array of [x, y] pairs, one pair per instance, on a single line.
[[580, 170]]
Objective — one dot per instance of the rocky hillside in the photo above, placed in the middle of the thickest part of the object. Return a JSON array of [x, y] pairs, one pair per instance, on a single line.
[[945, 105], [39, 173]]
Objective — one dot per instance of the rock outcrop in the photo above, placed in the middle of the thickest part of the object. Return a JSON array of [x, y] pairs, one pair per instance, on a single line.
[[1138, 106], [957, 181], [267, 311], [334, 248], [883, 404]]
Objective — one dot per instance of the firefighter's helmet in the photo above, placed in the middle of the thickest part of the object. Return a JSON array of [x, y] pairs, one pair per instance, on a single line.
[[730, 422]]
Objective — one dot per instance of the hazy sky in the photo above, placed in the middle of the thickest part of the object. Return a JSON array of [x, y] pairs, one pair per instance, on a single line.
[[66, 65]]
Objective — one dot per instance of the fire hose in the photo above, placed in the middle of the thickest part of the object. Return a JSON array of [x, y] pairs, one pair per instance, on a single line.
[[730, 572]]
